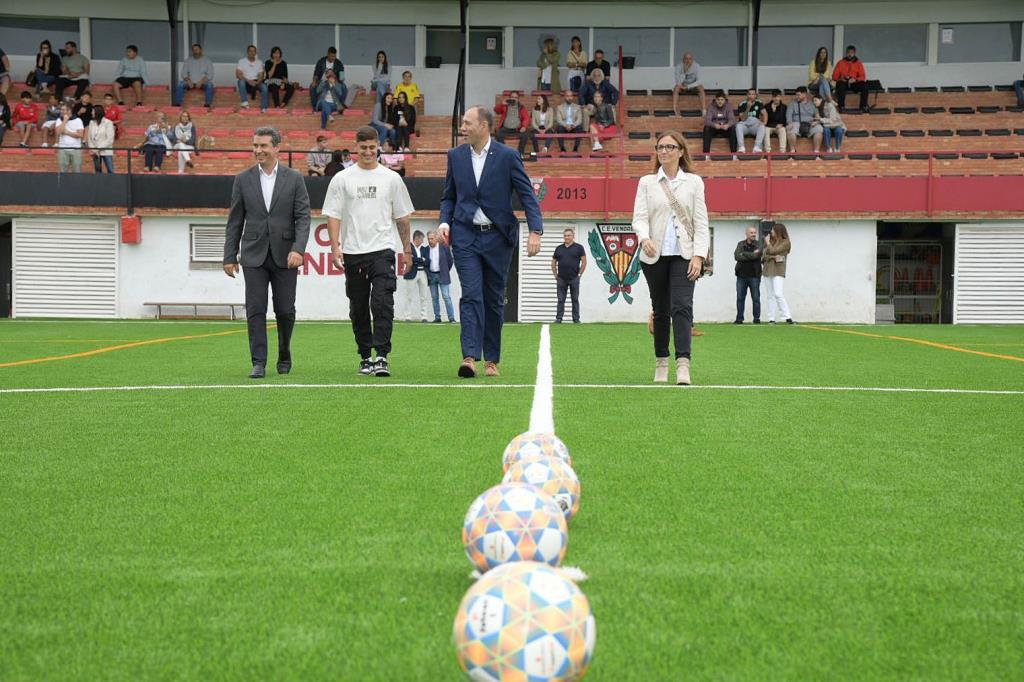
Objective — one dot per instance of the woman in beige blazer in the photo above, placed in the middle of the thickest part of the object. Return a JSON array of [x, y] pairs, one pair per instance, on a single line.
[[776, 253], [670, 259]]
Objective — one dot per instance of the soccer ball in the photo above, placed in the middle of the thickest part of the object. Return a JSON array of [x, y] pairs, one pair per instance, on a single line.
[[551, 475], [535, 444], [514, 522], [523, 621]]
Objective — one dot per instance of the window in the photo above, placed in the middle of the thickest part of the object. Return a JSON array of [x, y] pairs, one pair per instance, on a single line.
[[485, 45], [712, 45], [360, 44], [207, 243], [887, 42], [111, 36], [648, 45], [224, 43], [528, 43], [299, 43], [792, 45], [979, 42], [22, 36]]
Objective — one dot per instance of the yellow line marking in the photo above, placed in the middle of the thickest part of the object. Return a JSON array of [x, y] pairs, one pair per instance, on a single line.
[[123, 346], [922, 342], [68, 340]]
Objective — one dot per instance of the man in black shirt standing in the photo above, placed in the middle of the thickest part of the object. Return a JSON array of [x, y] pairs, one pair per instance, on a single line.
[[567, 265], [599, 62], [748, 275]]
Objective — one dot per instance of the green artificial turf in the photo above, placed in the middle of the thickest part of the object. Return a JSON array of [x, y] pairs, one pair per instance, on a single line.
[[313, 533]]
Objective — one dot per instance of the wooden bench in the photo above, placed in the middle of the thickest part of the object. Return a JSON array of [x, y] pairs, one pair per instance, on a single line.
[[160, 305]]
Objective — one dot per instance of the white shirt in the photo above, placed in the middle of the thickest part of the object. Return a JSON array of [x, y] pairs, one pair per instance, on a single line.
[[368, 202], [250, 70], [480, 218], [435, 258], [67, 141], [670, 245], [267, 182]]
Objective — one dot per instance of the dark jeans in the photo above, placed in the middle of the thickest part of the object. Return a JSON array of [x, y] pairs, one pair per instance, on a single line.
[[571, 286], [523, 137], [64, 82], [154, 154], [1018, 87], [370, 284], [402, 134], [729, 134], [742, 285], [672, 299], [860, 87], [562, 130], [275, 93], [98, 162], [282, 283]]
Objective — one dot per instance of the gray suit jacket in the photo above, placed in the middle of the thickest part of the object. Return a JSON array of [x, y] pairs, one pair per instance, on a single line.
[[284, 228]]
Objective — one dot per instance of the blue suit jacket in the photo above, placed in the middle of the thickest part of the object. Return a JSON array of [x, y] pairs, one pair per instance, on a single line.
[[503, 174], [445, 261], [420, 261]]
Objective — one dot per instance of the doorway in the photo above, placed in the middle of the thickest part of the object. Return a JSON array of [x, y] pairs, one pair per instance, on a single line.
[[914, 282]]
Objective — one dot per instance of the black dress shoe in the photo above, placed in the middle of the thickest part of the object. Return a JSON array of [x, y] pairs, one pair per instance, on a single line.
[[258, 372], [284, 366]]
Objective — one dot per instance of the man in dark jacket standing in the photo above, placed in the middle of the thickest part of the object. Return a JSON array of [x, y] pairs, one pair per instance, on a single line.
[[748, 275]]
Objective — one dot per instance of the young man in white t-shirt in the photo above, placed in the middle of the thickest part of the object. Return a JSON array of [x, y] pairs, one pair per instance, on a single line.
[[368, 209], [69, 131], [251, 77]]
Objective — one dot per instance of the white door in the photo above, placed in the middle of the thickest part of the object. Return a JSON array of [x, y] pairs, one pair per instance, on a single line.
[[65, 268], [538, 293], [989, 274]]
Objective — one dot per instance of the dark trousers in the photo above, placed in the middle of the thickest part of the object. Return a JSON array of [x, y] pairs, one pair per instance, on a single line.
[[523, 137], [482, 263], [402, 135], [370, 284], [742, 285], [63, 82], [672, 299], [275, 93], [154, 154], [860, 87], [571, 286], [282, 283], [562, 130], [729, 134]]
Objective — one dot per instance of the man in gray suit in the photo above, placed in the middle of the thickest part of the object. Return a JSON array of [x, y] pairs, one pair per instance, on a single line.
[[269, 218]]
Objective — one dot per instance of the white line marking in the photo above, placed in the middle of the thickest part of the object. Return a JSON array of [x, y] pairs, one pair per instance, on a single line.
[[542, 418]]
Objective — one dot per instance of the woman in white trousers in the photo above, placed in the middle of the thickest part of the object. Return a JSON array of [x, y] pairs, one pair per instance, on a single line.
[[776, 253]]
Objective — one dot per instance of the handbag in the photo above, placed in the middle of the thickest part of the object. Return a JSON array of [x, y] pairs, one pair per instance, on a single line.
[[707, 266], [805, 126]]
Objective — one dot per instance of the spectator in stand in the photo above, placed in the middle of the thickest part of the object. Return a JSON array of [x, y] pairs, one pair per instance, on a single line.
[[776, 122], [598, 83], [251, 79], [576, 62], [112, 113], [49, 126], [130, 73], [599, 63], [83, 109], [74, 69], [405, 124], [336, 165], [346, 159], [323, 65], [687, 79], [318, 157], [748, 275], [330, 98], [100, 137], [819, 74], [184, 138], [602, 122], [752, 120], [25, 117], [379, 119], [719, 122], [48, 68], [5, 117], [154, 147], [70, 133], [5, 73], [410, 89], [800, 121], [776, 254], [380, 83], [276, 70], [848, 75], [569, 120], [513, 119], [831, 123], [1018, 88], [395, 160], [542, 122], [196, 74], [547, 67]]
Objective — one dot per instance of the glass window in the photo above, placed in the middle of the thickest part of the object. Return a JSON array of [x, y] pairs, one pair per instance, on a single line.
[[888, 42], [713, 45], [360, 44], [22, 36], [111, 36], [485, 45], [225, 43], [530, 41], [299, 43], [648, 45], [979, 42], [792, 45], [444, 42]]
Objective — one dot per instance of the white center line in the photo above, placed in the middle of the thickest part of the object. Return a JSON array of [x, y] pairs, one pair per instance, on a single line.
[[542, 418]]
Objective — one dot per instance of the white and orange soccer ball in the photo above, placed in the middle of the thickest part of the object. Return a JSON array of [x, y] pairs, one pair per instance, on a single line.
[[514, 522], [553, 476], [535, 444], [524, 621]]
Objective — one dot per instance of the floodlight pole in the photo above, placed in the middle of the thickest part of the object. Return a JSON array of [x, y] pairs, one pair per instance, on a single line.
[[172, 17], [755, 24]]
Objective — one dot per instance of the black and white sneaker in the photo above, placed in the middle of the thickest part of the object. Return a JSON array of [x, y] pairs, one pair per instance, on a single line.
[[381, 368], [366, 366]]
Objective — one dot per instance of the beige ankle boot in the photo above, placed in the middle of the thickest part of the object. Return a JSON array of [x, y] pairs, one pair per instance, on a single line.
[[683, 371], [661, 369]]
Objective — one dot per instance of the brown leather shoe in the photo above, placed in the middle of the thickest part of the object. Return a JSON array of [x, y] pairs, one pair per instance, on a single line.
[[650, 323], [696, 332], [491, 369], [467, 370]]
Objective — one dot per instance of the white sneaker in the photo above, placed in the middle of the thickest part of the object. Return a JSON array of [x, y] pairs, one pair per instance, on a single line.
[[245, 105], [597, 147], [758, 150], [45, 145], [743, 150]]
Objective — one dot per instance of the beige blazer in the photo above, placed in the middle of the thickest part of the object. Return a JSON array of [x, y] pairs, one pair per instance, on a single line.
[[652, 210]]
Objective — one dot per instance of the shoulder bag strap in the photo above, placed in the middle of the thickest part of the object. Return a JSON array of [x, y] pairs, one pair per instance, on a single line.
[[677, 209]]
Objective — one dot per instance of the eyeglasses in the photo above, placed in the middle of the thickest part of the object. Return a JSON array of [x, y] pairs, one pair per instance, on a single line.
[[666, 148]]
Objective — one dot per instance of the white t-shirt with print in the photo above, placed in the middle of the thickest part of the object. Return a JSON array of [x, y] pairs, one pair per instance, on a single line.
[[367, 202]]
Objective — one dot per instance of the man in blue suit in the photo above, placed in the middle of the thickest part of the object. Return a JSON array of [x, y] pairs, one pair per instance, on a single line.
[[477, 220], [439, 275]]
